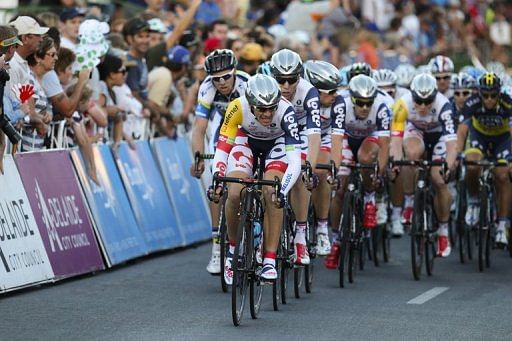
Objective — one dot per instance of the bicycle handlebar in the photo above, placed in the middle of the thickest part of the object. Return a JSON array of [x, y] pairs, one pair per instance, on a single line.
[[248, 181], [418, 163], [484, 163]]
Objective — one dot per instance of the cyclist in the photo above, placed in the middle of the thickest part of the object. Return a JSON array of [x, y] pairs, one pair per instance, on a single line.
[[404, 74], [222, 85], [386, 81], [487, 118], [423, 122], [463, 86], [325, 78], [441, 68], [259, 122], [286, 66], [366, 140]]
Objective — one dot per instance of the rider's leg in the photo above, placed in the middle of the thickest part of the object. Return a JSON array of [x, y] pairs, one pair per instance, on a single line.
[[414, 147], [367, 154], [321, 197], [472, 173], [503, 191]]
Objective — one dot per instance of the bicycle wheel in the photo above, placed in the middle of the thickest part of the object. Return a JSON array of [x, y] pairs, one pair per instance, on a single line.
[[352, 260], [430, 249], [287, 261], [282, 255], [386, 243], [297, 280], [223, 241], [460, 222], [312, 242], [491, 213], [483, 229], [344, 238], [255, 287], [376, 236], [242, 260], [417, 236]]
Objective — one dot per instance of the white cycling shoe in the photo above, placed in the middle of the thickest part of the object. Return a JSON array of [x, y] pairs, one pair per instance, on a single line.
[[397, 229], [213, 266], [472, 215], [323, 245]]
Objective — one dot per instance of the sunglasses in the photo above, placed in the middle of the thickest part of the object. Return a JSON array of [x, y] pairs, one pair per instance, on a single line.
[[445, 78], [328, 92], [362, 102], [462, 93], [424, 101], [262, 110], [222, 77], [290, 80], [486, 95]]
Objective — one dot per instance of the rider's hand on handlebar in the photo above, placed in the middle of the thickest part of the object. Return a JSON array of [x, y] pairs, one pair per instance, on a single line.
[[278, 199], [197, 171], [214, 194], [311, 182]]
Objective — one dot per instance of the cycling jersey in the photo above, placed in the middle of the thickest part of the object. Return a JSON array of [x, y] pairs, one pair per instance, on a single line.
[[241, 133], [492, 122], [211, 104], [307, 107], [331, 119], [376, 124], [439, 120]]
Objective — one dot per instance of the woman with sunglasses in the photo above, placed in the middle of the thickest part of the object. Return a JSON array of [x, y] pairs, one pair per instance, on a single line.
[[366, 140], [287, 69], [222, 85], [487, 117], [326, 78], [261, 121], [423, 123]]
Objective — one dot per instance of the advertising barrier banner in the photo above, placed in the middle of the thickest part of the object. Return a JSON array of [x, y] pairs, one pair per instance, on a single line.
[[148, 197], [60, 213], [115, 222], [23, 259], [174, 158]]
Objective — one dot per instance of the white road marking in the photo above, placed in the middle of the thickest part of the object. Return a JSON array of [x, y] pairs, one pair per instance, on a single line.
[[428, 295]]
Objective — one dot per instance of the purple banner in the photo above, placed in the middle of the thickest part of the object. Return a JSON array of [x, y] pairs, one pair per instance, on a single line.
[[60, 213]]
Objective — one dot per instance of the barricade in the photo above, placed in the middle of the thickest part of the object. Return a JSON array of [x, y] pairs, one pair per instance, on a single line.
[[186, 193], [60, 213], [148, 197], [23, 259], [110, 209]]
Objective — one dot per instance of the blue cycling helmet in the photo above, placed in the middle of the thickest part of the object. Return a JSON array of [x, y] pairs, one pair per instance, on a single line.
[[344, 75], [473, 71], [265, 69], [462, 80]]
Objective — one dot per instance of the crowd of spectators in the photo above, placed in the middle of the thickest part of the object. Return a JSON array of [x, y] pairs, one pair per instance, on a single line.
[[128, 70]]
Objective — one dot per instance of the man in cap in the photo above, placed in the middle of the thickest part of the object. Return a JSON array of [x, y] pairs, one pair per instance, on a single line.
[[69, 24], [31, 34]]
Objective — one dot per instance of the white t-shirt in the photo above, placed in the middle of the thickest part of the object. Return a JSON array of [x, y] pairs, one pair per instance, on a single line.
[[51, 84], [19, 73], [65, 42]]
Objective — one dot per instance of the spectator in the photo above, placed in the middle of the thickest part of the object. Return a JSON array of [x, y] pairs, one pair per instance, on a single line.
[[157, 31], [208, 12], [40, 62], [251, 57], [69, 24], [31, 35], [218, 29]]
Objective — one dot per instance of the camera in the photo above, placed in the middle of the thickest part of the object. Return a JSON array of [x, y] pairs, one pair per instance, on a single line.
[[5, 123]]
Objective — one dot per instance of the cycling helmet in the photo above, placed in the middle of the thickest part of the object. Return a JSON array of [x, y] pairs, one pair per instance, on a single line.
[[462, 80], [489, 81], [344, 75], [385, 77], [322, 75], [404, 74], [262, 91], [286, 62], [362, 86], [424, 87], [220, 60], [264, 69], [422, 69], [359, 69], [472, 71], [441, 64]]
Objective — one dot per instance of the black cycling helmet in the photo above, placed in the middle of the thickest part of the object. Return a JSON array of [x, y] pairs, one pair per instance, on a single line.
[[359, 69], [220, 60], [489, 81]]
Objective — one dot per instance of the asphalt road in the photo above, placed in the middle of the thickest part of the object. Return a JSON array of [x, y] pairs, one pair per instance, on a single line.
[[171, 296]]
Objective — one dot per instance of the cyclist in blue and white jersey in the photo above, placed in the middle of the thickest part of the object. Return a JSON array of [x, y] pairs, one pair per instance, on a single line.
[[325, 78], [441, 67], [286, 66], [222, 85]]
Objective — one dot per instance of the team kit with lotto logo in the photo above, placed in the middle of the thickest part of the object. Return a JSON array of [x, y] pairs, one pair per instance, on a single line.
[[379, 131]]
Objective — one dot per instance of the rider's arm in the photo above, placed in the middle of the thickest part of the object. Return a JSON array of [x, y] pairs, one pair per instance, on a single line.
[[312, 107], [337, 129], [202, 113], [383, 118], [449, 134], [292, 147], [227, 136], [400, 114], [462, 134]]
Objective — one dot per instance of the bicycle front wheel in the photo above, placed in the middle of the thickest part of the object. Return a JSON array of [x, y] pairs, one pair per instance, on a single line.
[[242, 260], [223, 241], [417, 236], [483, 230]]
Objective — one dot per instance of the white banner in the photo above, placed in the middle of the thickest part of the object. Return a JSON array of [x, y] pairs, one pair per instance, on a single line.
[[23, 258]]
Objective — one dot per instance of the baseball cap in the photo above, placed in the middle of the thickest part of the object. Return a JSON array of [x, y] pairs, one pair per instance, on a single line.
[[28, 25], [134, 26], [188, 39], [252, 52], [10, 41], [71, 13], [157, 25], [178, 55]]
